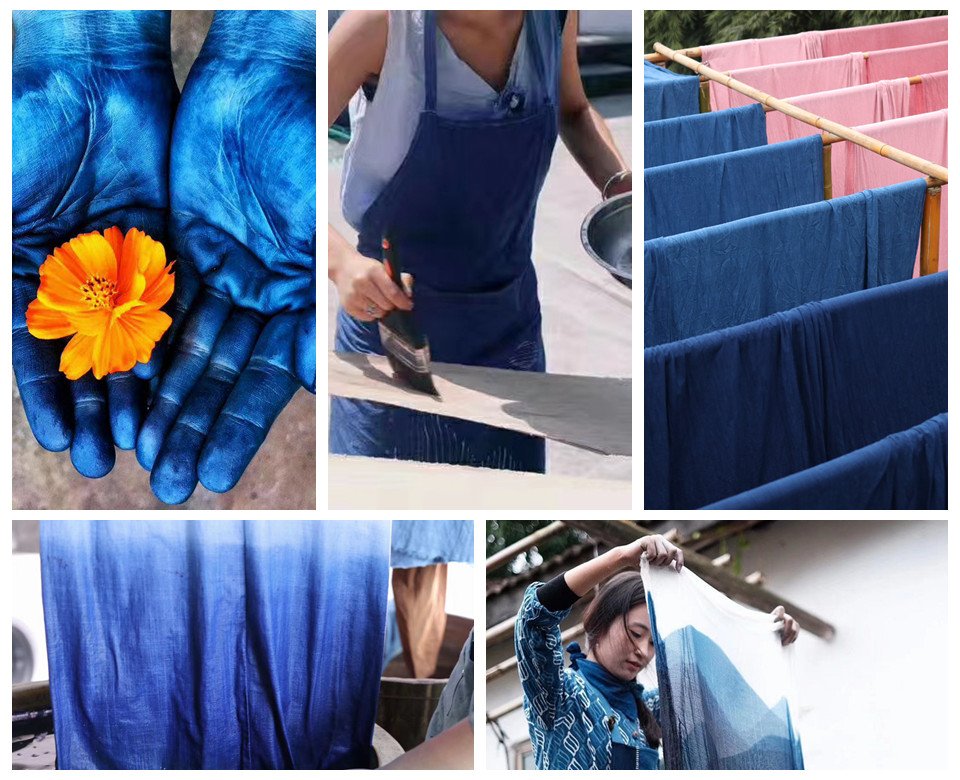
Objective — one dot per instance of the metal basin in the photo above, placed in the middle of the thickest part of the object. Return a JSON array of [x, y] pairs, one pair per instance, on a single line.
[[607, 236]]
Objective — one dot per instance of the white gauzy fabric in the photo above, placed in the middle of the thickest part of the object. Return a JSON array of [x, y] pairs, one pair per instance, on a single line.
[[726, 692]]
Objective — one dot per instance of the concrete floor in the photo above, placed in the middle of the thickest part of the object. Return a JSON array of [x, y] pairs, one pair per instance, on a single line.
[[586, 313], [281, 476]]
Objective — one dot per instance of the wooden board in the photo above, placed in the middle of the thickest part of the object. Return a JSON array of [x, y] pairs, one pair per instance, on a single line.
[[379, 483], [586, 411]]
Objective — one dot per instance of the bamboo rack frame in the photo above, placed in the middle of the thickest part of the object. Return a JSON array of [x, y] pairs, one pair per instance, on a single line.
[[937, 175]]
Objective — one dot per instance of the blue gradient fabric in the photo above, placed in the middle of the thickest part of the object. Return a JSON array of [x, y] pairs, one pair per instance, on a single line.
[[667, 141], [93, 103], [730, 274], [243, 223], [735, 409], [727, 697], [425, 542], [667, 94], [221, 644], [695, 194], [905, 470]]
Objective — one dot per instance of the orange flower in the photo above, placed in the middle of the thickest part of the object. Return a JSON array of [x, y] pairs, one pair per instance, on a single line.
[[106, 291]]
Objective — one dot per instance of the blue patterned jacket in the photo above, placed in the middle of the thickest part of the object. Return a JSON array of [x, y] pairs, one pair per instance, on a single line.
[[571, 725]]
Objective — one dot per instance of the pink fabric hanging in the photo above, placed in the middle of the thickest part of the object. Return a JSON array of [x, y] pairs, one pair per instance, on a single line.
[[908, 61], [852, 106], [930, 94], [792, 78], [883, 36], [856, 169], [761, 51]]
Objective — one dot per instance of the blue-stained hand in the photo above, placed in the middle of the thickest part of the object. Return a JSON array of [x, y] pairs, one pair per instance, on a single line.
[[243, 217], [93, 103]]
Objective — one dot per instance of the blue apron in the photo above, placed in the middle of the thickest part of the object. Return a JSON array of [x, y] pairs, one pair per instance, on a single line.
[[460, 211]]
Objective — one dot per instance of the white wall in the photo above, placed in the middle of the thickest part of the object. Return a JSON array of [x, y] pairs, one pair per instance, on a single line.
[[875, 696]]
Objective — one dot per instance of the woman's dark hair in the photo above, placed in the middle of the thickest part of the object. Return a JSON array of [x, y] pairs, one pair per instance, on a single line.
[[616, 597]]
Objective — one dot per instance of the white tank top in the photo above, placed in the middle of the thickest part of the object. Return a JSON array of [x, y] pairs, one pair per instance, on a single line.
[[382, 128]]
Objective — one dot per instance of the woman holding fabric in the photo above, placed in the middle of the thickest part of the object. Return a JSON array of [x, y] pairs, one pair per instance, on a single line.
[[454, 117], [595, 715]]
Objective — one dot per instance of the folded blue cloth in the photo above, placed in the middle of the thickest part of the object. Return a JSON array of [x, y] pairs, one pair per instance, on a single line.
[[214, 644], [667, 141], [735, 409], [708, 191], [733, 273], [906, 470], [425, 542], [667, 94]]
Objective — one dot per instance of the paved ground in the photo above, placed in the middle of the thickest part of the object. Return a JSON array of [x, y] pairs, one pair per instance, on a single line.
[[282, 476], [586, 313]]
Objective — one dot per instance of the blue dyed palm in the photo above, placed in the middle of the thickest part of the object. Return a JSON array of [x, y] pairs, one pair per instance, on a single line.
[[243, 213], [93, 102]]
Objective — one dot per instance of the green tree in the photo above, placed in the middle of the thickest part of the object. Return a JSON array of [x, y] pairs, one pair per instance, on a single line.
[[503, 533]]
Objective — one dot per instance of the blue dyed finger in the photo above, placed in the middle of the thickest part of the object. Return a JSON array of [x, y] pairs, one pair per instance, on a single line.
[[36, 364], [185, 291], [92, 449], [174, 475], [264, 388], [125, 394], [188, 361]]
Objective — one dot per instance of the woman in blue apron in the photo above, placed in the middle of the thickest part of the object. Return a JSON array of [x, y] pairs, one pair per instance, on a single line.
[[454, 118], [594, 714]]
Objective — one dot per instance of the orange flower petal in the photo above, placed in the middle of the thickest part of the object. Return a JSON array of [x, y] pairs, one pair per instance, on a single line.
[[77, 357], [144, 328], [130, 282], [47, 323], [114, 237], [159, 291], [96, 255], [89, 322]]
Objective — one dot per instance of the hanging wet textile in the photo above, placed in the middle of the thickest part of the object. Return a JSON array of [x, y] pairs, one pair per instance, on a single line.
[[892, 35], [906, 62], [722, 188], [930, 94], [827, 43], [852, 106], [727, 696], [424, 542], [219, 644], [667, 94], [925, 135], [738, 408], [792, 78], [729, 274], [905, 470], [754, 52], [829, 73], [687, 137]]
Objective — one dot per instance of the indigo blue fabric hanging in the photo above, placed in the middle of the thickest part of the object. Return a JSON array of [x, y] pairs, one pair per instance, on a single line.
[[730, 274], [708, 191], [214, 644], [905, 470], [727, 697], [424, 542], [682, 138], [735, 409], [667, 94]]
